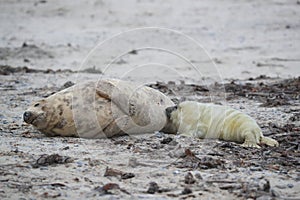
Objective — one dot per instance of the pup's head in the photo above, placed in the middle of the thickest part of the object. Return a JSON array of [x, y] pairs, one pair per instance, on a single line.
[[187, 110], [169, 111]]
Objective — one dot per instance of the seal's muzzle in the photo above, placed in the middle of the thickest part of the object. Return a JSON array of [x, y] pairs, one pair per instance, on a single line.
[[169, 110], [27, 117]]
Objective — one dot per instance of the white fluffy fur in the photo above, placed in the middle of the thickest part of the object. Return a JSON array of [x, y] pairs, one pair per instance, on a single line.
[[213, 121]]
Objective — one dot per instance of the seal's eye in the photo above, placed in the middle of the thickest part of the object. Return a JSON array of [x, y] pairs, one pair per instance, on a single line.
[[36, 105]]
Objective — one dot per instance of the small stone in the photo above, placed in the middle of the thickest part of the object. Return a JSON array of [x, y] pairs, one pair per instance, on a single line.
[[186, 191], [45, 160], [166, 140], [79, 164], [255, 169], [173, 143], [158, 134], [153, 188], [198, 176], [176, 172], [274, 193], [189, 178], [127, 175], [264, 185], [43, 168], [68, 84]]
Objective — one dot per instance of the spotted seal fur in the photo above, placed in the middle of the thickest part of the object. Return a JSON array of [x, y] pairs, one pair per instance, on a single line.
[[98, 109]]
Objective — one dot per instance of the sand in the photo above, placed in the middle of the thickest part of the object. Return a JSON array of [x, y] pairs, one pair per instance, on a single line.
[[197, 46]]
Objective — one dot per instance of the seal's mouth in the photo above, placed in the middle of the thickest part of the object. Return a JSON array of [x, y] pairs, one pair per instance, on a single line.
[[34, 120], [30, 121], [38, 120]]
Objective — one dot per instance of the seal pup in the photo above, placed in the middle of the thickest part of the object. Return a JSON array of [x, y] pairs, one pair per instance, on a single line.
[[98, 109], [202, 120]]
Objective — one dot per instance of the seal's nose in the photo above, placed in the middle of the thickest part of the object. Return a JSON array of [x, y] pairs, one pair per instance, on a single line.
[[169, 110], [26, 116]]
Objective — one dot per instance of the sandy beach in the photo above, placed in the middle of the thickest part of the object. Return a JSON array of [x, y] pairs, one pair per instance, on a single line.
[[244, 54]]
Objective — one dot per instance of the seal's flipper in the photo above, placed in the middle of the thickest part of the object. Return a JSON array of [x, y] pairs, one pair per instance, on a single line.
[[250, 144], [251, 139], [143, 105], [269, 141], [117, 127], [119, 92], [104, 89]]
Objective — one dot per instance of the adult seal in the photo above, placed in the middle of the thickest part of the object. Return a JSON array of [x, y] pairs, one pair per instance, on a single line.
[[98, 109]]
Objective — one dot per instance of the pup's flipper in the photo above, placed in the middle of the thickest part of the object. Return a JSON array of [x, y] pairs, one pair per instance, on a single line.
[[269, 141], [251, 140]]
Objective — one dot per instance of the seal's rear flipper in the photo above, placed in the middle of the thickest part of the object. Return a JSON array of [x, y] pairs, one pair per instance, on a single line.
[[269, 141]]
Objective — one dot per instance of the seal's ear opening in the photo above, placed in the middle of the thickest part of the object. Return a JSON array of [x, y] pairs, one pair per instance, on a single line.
[[169, 110]]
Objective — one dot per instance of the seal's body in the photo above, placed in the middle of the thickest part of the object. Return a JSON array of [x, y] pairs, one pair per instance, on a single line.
[[213, 121], [112, 107], [104, 108]]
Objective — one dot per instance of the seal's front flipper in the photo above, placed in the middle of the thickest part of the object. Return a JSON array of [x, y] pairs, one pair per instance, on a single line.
[[105, 88], [269, 141], [251, 140], [118, 127], [250, 144]]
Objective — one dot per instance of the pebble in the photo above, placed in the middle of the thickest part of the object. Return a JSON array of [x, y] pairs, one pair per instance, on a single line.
[[255, 169], [274, 193], [189, 178], [173, 143], [43, 168], [127, 175], [153, 187], [166, 140], [176, 172], [79, 164], [158, 134], [281, 186], [66, 148], [186, 191], [198, 176]]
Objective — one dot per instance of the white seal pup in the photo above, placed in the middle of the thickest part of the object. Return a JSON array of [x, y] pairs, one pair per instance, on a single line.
[[98, 109], [203, 120]]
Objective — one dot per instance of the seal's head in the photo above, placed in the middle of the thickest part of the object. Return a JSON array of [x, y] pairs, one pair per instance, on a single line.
[[39, 114], [53, 115]]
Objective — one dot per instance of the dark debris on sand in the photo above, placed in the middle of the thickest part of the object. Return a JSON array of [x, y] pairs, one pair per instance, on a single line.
[[45, 160], [222, 160], [8, 70], [282, 158], [278, 93], [171, 88], [190, 160], [284, 92]]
